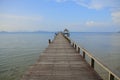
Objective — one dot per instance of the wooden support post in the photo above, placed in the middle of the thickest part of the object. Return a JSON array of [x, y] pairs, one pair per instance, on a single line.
[[78, 49], [111, 77], [69, 41], [83, 54], [49, 41], [92, 62], [72, 44], [75, 46]]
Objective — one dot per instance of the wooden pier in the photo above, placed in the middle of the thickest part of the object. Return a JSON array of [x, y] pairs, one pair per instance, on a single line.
[[60, 61]]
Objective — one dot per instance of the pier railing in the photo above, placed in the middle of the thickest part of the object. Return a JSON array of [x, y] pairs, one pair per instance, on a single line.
[[95, 63]]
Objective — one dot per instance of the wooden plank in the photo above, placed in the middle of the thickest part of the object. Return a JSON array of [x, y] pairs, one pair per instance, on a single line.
[[60, 62]]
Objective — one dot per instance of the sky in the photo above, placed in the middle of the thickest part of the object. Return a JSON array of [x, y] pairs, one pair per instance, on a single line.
[[56, 15]]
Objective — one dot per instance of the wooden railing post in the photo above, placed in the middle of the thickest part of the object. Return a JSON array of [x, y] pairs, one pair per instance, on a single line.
[[78, 49], [72, 44], [49, 41], [111, 77], [83, 54], [92, 62], [75, 46]]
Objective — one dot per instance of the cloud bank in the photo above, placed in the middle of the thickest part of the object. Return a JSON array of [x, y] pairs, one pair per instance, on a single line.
[[116, 17], [96, 4], [112, 5], [10, 22], [35, 18]]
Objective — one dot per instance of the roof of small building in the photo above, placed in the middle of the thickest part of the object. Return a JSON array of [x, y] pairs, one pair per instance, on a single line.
[[66, 30]]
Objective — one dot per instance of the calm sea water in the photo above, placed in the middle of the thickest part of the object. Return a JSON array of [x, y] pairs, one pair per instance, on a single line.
[[105, 46], [19, 51]]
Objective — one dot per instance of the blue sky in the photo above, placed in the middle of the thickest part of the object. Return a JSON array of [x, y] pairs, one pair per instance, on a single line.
[[55, 15]]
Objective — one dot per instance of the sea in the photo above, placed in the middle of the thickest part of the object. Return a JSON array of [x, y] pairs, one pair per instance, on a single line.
[[18, 51]]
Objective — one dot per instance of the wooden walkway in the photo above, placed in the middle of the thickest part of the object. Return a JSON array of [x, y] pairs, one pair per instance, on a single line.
[[60, 61]]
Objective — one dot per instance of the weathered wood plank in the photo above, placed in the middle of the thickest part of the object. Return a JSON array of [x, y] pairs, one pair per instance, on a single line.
[[60, 62]]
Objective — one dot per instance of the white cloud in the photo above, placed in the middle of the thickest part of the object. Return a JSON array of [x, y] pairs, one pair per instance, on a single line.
[[96, 4], [61, 0], [90, 26], [90, 23], [19, 23], [38, 18], [116, 17], [19, 27], [89, 4], [96, 24], [112, 5], [6, 27]]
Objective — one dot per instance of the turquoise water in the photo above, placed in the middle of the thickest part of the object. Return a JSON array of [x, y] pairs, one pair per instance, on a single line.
[[19, 51]]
